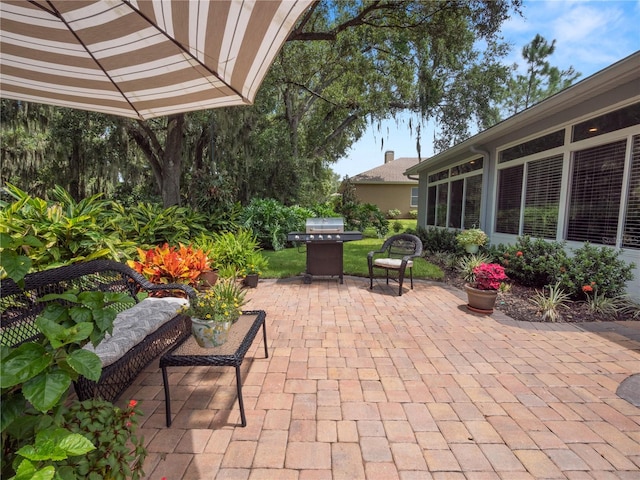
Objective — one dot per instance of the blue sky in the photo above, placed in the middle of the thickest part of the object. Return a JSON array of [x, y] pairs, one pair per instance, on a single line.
[[590, 35]]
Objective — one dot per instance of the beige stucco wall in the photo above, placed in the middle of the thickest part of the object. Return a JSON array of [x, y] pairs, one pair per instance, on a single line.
[[387, 197]]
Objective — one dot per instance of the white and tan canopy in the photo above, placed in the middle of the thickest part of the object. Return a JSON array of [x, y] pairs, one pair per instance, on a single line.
[[141, 58]]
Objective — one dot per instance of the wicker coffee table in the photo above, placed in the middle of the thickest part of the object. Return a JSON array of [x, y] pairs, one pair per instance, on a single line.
[[230, 354]]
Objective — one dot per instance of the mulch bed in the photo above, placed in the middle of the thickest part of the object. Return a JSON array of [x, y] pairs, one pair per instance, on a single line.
[[517, 303]]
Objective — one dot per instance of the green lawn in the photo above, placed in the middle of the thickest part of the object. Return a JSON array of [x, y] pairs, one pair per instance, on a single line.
[[292, 261]]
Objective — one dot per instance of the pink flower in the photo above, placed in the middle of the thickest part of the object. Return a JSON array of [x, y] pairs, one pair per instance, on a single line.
[[133, 403], [519, 254], [587, 288], [489, 276]]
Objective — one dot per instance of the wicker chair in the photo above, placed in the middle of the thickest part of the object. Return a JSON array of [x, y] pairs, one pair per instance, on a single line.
[[397, 253]]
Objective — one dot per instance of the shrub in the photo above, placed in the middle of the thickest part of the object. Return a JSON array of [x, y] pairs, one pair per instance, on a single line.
[[270, 221], [397, 226], [413, 214], [233, 250], [393, 213], [534, 263], [600, 267], [360, 216], [435, 239]]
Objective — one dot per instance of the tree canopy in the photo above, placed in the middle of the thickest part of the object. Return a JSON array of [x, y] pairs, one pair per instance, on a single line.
[[347, 65]]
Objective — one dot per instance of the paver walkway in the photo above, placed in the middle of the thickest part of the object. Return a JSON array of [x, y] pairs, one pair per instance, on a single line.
[[362, 384]]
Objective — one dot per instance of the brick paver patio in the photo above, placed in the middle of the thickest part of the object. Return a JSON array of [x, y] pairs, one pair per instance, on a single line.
[[362, 384]]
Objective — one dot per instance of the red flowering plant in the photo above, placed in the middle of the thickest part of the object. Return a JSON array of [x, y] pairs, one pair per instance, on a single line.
[[489, 276], [119, 453], [170, 264]]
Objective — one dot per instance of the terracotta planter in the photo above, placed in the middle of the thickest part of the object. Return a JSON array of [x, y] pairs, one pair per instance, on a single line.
[[480, 301], [208, 279], [251, 280], [210, 334]]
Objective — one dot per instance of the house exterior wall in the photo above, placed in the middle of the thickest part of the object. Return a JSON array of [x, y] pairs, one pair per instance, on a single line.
[[560, 163], [387, 196]]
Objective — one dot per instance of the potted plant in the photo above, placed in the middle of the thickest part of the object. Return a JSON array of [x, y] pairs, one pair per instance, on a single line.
[[253, 268], [483, 289], [214, 311], [472, 239], [170, 264]]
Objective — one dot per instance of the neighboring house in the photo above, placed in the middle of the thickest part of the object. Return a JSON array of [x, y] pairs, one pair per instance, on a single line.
[[566, 169], [387, 187]]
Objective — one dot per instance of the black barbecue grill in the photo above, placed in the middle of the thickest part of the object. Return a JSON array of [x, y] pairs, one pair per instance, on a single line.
[[324, 238]]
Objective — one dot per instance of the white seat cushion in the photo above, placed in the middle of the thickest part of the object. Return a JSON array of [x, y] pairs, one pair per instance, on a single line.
[[391, 263], [134, 324]]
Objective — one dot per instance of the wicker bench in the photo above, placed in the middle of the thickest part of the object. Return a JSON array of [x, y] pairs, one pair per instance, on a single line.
[[141, 333]]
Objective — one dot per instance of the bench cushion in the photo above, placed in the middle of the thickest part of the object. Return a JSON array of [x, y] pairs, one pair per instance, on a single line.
[[134, 324], [391, 263]]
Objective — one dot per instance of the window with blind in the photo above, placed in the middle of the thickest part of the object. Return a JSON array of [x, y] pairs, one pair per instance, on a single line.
[[472, 201], [509, 200], [594, 201], [542, 197], [455, 205], [431, 205], [441, 205], [631, 233]]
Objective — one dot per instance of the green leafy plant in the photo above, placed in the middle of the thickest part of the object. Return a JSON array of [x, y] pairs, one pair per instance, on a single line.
[[533, 262], [256, 263], [436, 239], [270, 221], [397, 226], [601, 265], [550, 305], [233, 251], [119, 453], [66, 231], [599, 303], [35, 375]]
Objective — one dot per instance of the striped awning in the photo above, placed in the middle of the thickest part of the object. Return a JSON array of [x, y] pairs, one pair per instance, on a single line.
[[141, 58]]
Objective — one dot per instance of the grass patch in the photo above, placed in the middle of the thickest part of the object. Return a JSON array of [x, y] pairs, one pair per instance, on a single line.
[[292, 261]]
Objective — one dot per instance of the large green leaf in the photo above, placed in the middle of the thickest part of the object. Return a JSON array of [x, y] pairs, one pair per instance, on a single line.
[[14, 266], [60, 336], [104, 319], [56, 444], [23, 363], [86, 363], [27, 471], [45, 391], [91, 299], [12, 408]]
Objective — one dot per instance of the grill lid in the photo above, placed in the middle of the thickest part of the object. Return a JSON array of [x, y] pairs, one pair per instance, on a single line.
[[325, 225]]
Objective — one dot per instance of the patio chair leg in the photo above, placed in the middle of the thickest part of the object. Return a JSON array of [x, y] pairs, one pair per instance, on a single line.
[[411, 276]]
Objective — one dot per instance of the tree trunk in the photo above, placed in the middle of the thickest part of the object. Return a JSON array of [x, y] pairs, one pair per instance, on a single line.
[[172, 161]]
